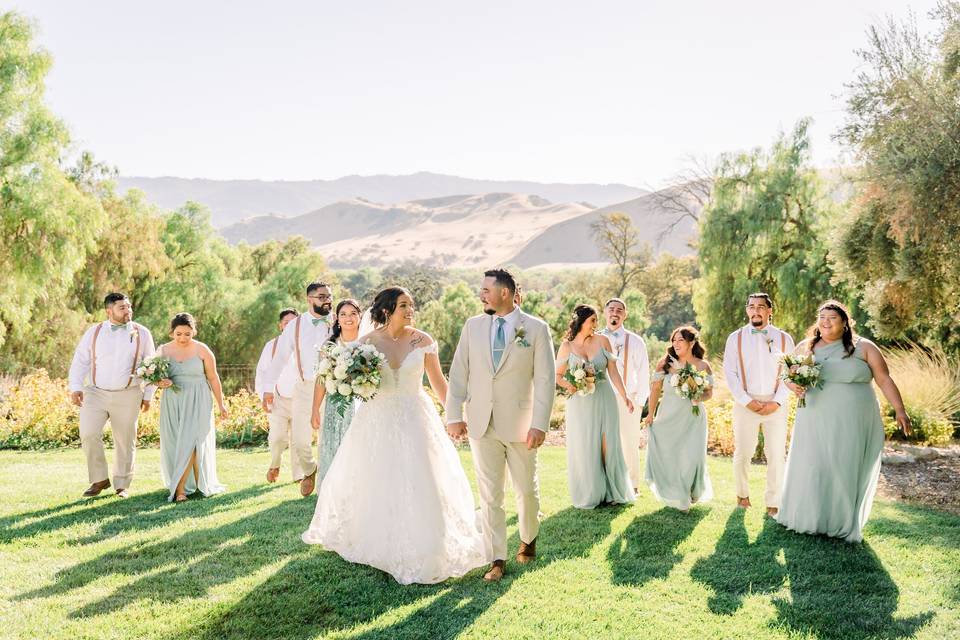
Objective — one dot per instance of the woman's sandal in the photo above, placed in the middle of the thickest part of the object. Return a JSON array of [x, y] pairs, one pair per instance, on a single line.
[[181, 497]]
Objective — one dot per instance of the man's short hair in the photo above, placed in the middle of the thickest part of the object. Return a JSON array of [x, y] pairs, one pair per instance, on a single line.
[[503, 278], [620, 300], [113, 297], [316, 284], [286, 312], [763, 296]]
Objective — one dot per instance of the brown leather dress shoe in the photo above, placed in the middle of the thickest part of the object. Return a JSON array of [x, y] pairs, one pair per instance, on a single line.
[[272, 474], [96, 488], [743, 503], [772, 512], [122, 493], [308, 483], [497, 569], [527, 552]]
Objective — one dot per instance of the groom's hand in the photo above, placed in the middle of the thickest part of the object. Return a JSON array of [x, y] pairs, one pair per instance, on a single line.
[[535, 438], [267, 401], [457, 430]]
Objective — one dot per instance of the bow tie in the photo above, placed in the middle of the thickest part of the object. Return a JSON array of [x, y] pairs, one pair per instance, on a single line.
[[117, 327], [753, 331], [317, 321]]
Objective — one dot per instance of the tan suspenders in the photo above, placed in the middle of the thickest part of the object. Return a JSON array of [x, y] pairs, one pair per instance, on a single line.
[[93, 356], [296, 347], [273, 352], [743, 370], [626, 357]]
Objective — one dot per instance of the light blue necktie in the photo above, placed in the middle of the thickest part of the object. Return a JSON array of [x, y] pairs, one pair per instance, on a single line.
[[499, 343]]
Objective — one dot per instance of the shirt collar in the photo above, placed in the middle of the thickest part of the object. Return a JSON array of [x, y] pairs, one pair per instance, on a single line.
[[511, 317]]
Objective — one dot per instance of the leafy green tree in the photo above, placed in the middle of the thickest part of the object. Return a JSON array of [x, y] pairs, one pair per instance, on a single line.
[[668, 288], [764, 230], [444, 318], [423, 281]]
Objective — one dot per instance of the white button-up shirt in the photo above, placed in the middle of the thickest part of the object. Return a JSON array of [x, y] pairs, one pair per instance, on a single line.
[[288, 378], [636, 381], [761, 355], [509, 328], [311, 338], [115, 354]]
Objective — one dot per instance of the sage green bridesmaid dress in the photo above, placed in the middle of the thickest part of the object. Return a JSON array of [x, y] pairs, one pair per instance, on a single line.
[[676, 467], [591, 419], [186, 423], [834, 460]]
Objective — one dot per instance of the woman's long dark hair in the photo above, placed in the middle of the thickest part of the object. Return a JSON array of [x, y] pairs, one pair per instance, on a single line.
[[385, 303], [690, 334], [581, 313], [848, 334], [337, 329]]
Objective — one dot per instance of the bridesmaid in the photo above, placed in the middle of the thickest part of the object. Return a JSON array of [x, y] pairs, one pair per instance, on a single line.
[[596, 470], [333, 426], [188, 440], [834, 460], [677, 443]]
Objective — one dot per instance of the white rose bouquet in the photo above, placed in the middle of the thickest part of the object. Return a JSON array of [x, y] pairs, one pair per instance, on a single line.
[[349, 372], [584, 377], [801, 370], [154, 369], [690, 383]]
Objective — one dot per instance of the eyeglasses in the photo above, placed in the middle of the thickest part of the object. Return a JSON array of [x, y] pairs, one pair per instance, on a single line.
[[321, 296]]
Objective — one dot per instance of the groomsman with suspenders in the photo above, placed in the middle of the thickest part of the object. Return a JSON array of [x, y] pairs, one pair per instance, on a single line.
[[280, 417], [634, 366], [297, 347], [104, 384], [752, 370]]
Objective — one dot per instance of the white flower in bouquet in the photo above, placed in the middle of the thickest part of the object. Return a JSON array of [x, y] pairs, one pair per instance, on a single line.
[[340, 371], [323, 367], [344, 389], [674, 380], [579, 374], [330, 386]]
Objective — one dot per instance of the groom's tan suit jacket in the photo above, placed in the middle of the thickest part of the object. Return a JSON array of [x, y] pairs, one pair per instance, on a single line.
[[513, 397]]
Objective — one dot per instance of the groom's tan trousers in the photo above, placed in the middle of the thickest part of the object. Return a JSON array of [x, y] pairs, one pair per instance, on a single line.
[[491, 457], [121, 408], [301, 432]]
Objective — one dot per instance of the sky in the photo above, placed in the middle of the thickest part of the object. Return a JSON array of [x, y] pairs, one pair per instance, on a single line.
[[552, 91]]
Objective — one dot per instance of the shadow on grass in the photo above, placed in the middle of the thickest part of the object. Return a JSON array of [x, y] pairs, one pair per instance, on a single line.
[[646, 550], [115, 516], [837, 590], [318, 592]]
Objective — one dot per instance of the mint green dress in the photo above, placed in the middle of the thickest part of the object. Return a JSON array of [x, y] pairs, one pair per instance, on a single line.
[[676, 468], [186, 423], [834, 460], [333, 429], [590, 419]]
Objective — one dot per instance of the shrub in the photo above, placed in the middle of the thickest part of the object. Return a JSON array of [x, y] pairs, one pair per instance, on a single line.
[[930, 385]]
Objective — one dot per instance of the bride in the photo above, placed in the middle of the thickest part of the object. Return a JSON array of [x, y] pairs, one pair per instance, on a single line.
[[396, 497]]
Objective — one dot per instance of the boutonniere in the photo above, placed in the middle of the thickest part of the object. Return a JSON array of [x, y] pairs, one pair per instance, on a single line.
[[521, 337], [769, 343], [133, 332]]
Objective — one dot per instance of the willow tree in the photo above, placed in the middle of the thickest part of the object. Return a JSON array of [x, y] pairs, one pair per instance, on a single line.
[[764, 230]]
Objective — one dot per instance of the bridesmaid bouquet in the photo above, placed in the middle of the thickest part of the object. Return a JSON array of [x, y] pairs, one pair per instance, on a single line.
[[349, 372], [690, 383], [803, 371], [154, 369], [584, 376]]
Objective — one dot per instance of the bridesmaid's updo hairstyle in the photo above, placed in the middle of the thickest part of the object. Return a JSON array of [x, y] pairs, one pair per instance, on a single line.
[[690, 334], [337, 329], [581, 313], [385, 303], [183, 319], [848, 337]]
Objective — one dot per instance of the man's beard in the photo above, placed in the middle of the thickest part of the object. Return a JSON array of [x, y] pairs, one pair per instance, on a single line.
[[322, 310], [615, 322], [489, 311], [757, 323]]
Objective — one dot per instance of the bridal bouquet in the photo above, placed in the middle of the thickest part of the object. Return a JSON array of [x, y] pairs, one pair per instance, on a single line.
[[801, 370], [349, 372], [690, 383], [154, 369], [584, 376]]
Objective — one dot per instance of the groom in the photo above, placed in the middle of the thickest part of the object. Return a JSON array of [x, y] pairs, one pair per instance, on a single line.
[[503, 370]]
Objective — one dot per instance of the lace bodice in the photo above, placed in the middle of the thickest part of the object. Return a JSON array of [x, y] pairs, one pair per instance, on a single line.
[[408, 378]]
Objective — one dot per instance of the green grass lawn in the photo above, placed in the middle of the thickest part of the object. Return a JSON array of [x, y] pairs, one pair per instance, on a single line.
[[233, 566]]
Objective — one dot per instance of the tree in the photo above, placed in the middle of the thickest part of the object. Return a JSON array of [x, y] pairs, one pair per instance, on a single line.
[[424, 282], [764, 230], [47, 223], [619, 241], [668, 288], [899, 244], [444, 318]]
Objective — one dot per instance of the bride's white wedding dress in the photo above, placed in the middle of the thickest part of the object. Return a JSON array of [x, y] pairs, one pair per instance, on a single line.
[[396, 496]]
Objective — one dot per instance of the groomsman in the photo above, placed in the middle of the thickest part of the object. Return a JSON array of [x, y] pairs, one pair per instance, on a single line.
[[104, 384], [752, 370], [280, 417], [297, 348], [634, 367]]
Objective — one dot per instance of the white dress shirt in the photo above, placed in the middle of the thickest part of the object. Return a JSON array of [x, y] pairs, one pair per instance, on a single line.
[[288, 378], [761, 355], [116, 350], [509, 328], [636, 381], [312, 336]]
